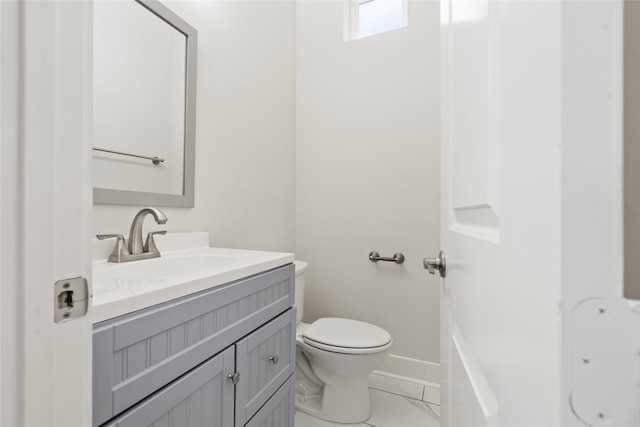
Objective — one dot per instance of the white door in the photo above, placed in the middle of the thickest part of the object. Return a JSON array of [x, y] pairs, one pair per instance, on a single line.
[[45, 201], [531, 200], [500, 213]]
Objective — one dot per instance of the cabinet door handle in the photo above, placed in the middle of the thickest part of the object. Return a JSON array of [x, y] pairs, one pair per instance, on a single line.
[[234, 378], [274, 359]]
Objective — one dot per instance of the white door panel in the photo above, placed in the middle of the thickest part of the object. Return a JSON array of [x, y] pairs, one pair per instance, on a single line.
[[474, 141], [474, 150], [500, 212], [476, 404]]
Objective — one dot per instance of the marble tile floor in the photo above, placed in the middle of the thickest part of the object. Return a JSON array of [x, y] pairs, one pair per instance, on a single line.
[[387, 410]]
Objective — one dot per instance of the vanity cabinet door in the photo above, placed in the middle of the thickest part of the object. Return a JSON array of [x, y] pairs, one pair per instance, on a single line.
[[279, 411], [265, 359], [202, 398]]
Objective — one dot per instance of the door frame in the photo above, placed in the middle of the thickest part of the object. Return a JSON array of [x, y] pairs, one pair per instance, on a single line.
[[594, 307], [46, 205]]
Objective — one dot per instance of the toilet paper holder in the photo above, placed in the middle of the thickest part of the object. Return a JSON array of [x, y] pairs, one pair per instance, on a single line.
[[398, 258]]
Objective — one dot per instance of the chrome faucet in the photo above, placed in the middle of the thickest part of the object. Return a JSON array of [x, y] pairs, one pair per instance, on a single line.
[[135, 249], [135, 234]]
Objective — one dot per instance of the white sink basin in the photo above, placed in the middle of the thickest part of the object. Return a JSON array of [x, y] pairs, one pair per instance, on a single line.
[[126, 287], [158, 268]]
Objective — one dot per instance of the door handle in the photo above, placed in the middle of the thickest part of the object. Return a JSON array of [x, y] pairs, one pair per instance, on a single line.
[[439, 263]]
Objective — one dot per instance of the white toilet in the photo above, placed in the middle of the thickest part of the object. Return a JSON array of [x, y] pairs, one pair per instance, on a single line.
[[334, 358]]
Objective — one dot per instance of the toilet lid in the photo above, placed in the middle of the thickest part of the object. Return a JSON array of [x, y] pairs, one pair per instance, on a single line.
[[345, 334]]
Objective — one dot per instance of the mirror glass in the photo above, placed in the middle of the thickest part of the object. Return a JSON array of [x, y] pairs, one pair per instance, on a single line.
[[143, 105]]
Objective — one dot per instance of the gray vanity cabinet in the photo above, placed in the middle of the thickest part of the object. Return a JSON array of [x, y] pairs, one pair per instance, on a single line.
[[169, 364]]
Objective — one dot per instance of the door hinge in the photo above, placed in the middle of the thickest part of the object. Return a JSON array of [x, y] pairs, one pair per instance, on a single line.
[[605, 362]]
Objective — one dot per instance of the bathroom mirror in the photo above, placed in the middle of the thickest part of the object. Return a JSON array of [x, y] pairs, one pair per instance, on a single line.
[[144, 89]]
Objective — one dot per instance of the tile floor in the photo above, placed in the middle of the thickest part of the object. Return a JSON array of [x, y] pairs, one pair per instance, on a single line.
[[387, 410]]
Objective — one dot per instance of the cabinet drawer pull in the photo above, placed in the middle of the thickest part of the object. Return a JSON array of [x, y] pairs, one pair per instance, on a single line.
[[274, 359], [234, 378]]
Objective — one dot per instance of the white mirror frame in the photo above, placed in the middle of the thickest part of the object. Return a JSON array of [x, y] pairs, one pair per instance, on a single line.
[[186, 199]]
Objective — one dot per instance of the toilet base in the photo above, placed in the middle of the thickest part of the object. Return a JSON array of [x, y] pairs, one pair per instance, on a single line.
[[334, 385], [347, 404]]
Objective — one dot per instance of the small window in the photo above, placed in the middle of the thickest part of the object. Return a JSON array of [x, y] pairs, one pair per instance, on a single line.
[[369, 17]]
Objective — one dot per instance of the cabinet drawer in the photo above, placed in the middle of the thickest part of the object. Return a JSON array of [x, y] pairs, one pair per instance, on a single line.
[[136, 354], [201, 398], [279, 411], [265, 359]]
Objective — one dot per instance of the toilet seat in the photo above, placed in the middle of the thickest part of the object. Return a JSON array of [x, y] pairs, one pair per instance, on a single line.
[[346, 336]]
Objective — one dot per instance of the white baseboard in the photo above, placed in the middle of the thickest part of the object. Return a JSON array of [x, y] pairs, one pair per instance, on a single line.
[[405, 386], [411, 368], [413, 378]]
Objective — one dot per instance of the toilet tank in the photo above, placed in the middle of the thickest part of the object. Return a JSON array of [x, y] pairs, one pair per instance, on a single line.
[[301, 268]]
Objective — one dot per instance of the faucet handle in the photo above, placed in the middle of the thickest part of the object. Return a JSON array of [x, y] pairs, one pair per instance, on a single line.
[[150, 244], [120, 250], [109, 236]]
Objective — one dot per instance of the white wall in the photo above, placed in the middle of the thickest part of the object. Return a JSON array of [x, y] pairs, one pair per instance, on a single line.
[[367, 173], [245, 137]]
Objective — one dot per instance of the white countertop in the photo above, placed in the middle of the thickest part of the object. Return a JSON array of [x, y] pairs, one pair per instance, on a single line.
[[126, 287]]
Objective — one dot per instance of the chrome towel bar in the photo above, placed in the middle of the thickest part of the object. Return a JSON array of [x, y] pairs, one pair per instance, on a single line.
[[398, 258], [154, 160]]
